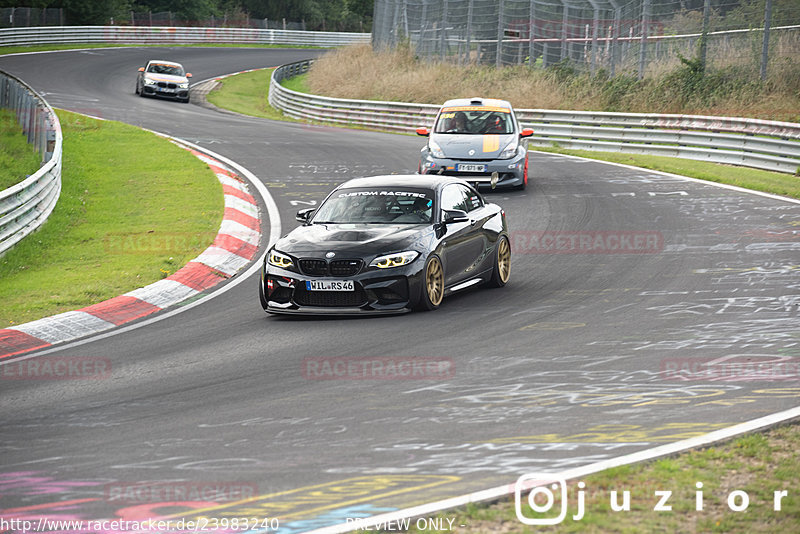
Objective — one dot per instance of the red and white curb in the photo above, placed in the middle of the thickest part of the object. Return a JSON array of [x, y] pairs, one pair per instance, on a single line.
[[234, 247]]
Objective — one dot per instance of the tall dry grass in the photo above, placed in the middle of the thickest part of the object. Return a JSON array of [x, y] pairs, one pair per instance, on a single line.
[[733, 89]]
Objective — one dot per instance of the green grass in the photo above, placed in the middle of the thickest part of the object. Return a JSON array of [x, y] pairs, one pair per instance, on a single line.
[[758, 464], [756, 179], [126, 217], [18, 159], [297, 83], [246, 93]]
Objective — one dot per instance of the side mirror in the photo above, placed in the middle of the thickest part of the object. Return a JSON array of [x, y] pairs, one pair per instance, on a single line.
[[455, 216], [526, 132], [424, 132], [304, 215], [141, 69], [189, 75]]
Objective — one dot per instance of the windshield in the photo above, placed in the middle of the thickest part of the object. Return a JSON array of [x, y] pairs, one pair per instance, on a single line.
[[161, 68], [474, 120], [377, 206]]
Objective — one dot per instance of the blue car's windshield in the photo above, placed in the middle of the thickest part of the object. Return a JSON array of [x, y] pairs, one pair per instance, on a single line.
[[377, 206]]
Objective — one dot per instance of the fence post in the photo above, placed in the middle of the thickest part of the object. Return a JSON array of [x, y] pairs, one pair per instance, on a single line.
[[531, 27], [704, 36], [615, 36], [444, 31], [765, 44], [468, 55], [564, 20], [643, 45], [498, 56], [595, 24]]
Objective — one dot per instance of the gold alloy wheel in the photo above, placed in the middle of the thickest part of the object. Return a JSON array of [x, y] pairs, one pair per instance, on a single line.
[[434, 281], [503, 260]]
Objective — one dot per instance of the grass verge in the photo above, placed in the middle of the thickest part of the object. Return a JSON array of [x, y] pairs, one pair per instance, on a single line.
[[758, 464], [126, 217], [683, 87], [755, 179], [246, 93], [18, 159]]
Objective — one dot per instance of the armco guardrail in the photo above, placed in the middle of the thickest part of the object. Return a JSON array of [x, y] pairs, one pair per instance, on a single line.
[[26, 205], [769, 145], [174, 35]]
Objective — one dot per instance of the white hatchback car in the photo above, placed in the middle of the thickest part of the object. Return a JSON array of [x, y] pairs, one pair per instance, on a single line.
[[163, 78]]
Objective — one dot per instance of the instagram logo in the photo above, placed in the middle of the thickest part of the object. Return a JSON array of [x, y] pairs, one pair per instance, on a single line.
[[543, 490]]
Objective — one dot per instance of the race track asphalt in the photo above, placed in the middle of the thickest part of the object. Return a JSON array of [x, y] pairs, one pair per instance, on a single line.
[[573, 362]]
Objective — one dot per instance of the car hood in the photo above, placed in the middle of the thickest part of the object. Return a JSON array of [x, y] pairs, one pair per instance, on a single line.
[[457, 146], [352, 240], [166, 78]]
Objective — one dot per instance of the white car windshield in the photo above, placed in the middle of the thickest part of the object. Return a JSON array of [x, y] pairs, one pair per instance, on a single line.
[[162, 68], [378, 205], [474, 120]]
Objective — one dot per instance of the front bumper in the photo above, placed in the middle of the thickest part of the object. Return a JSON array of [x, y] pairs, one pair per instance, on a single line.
[[376, 292], [511, 171], [166, 92]]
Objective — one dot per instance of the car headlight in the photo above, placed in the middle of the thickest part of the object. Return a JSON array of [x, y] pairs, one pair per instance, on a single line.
[[394, 260], [183, 85], [279, 260], [509, 151], [148, 81], [436, 150]]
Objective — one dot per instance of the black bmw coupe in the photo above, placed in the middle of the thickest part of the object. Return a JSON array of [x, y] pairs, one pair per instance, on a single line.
[[387, 244]]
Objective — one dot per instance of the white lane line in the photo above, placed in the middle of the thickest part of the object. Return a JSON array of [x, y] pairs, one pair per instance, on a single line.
[[681, 177]]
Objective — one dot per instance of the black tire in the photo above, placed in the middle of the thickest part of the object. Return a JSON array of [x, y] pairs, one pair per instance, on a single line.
[[432, 285], [502, 263]]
